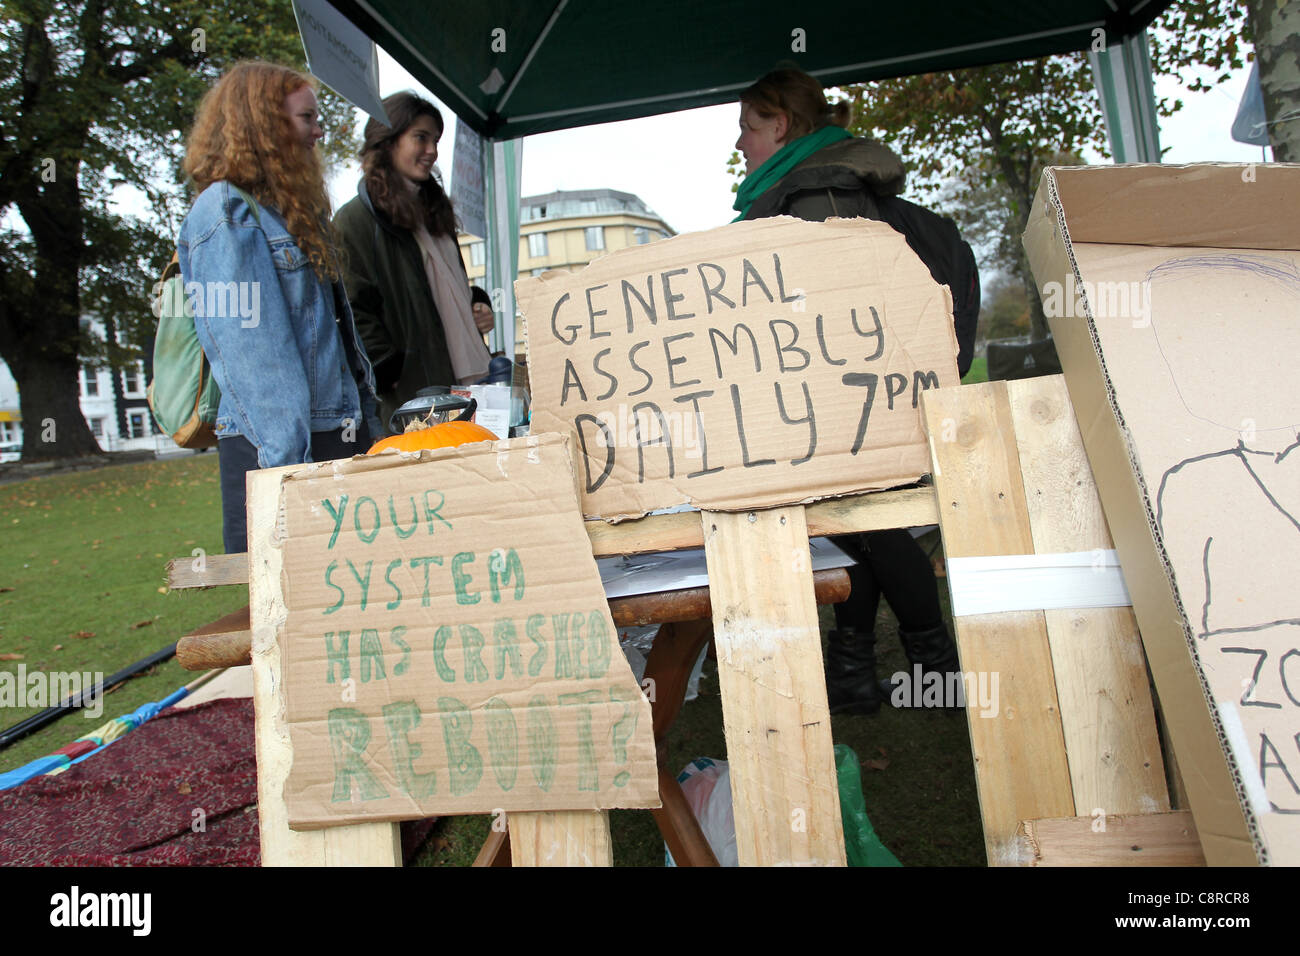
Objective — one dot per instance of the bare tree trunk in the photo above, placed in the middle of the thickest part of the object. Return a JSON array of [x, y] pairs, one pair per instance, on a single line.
[[1276, 25]]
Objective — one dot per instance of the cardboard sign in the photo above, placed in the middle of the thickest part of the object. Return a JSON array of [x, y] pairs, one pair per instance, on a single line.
[[763, 363], [1174, 299], [447, 646]]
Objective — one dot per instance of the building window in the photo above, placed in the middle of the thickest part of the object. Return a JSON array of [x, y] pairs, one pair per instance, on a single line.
[[89, 382], [8, 432], [595, 238], [537, 245], [537, 272], [97, 427], [476, 254], [135, 425], [640, 235], [133, 381]]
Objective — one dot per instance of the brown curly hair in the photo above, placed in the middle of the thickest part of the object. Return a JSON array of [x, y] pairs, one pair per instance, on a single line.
[[242, 135], [430, 205], [800, 98]]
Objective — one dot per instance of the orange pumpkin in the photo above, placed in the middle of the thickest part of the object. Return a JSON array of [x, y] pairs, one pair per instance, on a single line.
[[445, 435]]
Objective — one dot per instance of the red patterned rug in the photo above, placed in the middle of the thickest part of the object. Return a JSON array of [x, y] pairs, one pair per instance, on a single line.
[[179, 791]]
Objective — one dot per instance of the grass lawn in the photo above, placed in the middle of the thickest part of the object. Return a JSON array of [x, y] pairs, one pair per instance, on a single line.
[[978, 371], [82, 588]]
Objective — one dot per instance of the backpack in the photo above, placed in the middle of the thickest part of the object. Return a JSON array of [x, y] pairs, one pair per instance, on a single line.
[[938, 243], [183, 395]]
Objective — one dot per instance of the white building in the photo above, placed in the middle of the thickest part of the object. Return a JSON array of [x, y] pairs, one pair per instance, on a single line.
[[113, 402]]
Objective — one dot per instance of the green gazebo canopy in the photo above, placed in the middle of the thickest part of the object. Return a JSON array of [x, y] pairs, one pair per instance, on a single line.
[[512, 67]]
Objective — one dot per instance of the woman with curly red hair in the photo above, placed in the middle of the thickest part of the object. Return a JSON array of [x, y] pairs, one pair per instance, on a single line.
[[262, 267]]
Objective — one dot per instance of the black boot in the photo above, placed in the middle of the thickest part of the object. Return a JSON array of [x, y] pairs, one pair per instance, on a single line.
[[851, 684], [931, 651]]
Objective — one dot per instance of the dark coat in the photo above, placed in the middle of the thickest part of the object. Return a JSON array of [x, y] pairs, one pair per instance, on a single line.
[[392, 303], [858, 178]]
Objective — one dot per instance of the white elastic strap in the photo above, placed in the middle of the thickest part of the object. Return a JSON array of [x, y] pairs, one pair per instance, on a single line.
[[1036, 582]]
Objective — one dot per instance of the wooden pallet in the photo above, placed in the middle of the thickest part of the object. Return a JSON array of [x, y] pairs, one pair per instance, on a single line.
[[1075, 735]]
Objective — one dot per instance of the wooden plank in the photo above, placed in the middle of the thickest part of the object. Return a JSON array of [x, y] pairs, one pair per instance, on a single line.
[[369, 844], [775, 715], [1021, 770], [905, 508], [560, 838], [1107, 716], [1152, 839], [213, 570]]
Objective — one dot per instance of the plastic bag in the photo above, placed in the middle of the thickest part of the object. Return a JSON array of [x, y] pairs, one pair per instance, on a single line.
[[707, 785], [861, 845]]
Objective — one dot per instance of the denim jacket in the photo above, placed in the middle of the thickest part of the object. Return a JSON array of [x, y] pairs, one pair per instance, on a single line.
[[282, 343]]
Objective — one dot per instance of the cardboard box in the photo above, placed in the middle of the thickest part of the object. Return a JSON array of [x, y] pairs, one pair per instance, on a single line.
[[447, 646], [760, 364], [1173, 293]]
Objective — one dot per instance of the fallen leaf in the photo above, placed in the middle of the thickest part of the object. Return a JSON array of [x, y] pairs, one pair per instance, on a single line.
[[184, 788], [139, 624], [162, 590], [83, 635], [11, 657], [5, 590], [877, 764], [58, 647]]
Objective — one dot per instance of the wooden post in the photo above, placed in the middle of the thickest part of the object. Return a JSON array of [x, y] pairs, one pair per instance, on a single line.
[[775, 715], [368, 844], [560, 838]]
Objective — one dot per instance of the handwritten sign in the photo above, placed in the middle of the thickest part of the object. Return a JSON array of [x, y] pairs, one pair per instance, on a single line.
[[763, 363], [448, 648]]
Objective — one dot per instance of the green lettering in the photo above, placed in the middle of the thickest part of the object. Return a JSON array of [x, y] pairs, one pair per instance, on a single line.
[[337, 655], [563, 664], [464, 763], [417, 562], [400, 718], [587, 776], [471, 642], [440, 637], [534, 629], [503, 742], [507, 642], [575, 642], [371, 650], [364, 582], [598, 645], [415, 519], [328, 583], [542, 742], [502, 567], [337, 516], [460, 579], [396, 637], [431, 511], [623, 729], [356, 518], [349, 732], [394, 604]]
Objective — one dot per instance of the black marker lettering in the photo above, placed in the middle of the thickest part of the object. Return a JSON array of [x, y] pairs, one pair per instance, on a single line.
[[670, 297], [647, 307], [782, 349], [571, 373], [568, 328], [868, 379], [711, 292], [578, 422], [740, 430], [780, 281], [892, 392], [631, 357], [878, 332], [733, 344], [642, 443], [694, 399], [821, 343], [613, 382], [756, 280], [592, 312], [811, 419]]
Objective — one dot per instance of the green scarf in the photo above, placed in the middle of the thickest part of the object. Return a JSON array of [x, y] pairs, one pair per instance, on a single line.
[[781, 162]]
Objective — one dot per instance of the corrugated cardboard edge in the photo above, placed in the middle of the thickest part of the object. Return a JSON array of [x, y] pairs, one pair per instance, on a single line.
[[1229, 831]]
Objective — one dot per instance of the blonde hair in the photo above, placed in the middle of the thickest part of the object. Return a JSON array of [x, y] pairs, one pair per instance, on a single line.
[[242, 135], [798, 97]]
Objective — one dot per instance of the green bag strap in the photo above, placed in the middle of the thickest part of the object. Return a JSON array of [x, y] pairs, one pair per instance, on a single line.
[[252, 203]]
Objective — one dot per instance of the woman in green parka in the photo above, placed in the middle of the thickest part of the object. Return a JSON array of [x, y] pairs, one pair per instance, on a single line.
[[404, 274]]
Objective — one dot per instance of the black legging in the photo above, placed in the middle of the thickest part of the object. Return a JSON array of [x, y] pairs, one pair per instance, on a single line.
[[892, 564], [238, 456]]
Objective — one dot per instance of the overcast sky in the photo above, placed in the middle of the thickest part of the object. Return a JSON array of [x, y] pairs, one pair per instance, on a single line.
[[676, 162]]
